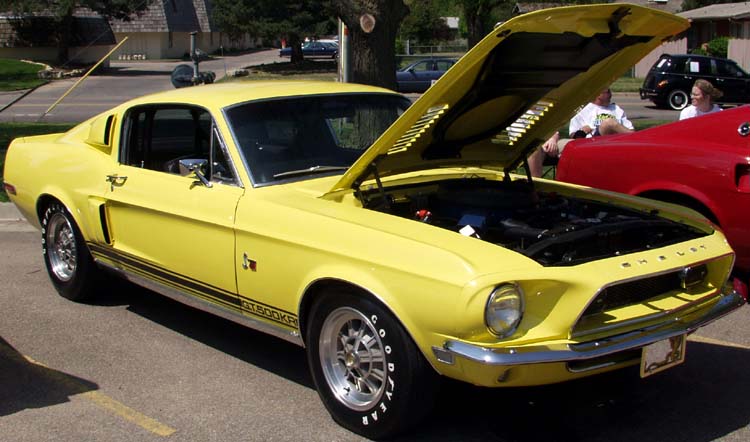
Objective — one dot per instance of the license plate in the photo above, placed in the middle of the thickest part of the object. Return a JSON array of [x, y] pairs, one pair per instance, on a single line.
[[662, 355]]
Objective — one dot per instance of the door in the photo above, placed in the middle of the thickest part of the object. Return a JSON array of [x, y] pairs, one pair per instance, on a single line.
[[732, 81], [167, 223]]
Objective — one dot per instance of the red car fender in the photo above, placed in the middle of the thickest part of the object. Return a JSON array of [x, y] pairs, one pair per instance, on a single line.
[[642, 189]]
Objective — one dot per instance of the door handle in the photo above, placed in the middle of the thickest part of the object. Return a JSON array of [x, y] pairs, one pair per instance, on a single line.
[[116, 180]]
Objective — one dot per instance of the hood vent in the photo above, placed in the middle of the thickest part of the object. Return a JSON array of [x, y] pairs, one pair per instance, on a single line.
[[511, 134], [419, 128]]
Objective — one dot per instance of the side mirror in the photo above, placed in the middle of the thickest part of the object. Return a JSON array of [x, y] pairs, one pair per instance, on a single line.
[[197, 167]]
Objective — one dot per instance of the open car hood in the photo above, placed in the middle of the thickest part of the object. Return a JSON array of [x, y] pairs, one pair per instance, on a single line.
[[513, 89]]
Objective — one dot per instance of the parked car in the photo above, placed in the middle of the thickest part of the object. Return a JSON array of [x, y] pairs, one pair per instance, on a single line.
[[314, 49], [671, 78], [390, 240], [702, 163], [420, 75]]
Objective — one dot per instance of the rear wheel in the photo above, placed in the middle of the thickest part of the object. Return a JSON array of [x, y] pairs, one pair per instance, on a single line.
[[367, 370], [69, 264], [678, 99]]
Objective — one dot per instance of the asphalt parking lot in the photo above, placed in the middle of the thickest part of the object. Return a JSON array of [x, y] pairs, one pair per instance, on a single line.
[[137, 366]]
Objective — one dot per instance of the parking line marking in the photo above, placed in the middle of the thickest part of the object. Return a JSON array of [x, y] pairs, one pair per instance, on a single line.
[[704, 340], [127, 413], [115, 407]]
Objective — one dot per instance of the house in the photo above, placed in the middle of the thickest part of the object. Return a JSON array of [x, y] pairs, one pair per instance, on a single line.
[[32, 37], [163, 31], [720, 20], [671, 6]]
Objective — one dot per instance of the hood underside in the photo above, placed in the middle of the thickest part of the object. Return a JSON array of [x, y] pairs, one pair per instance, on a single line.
[[513, 89]]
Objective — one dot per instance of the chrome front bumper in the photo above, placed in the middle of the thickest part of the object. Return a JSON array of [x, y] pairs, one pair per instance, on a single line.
[[586, 350]]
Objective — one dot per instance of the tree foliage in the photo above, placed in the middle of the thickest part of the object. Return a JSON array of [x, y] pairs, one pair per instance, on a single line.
[[424, 23], [291, 20], [478, 17]]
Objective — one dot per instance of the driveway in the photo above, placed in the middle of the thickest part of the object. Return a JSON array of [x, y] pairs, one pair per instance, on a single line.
[[122, 81]]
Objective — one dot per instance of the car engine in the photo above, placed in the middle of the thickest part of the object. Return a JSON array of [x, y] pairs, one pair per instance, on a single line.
[[552, 229]]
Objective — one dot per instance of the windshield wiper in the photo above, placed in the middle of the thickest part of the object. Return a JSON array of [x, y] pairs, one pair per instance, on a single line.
[[310, 170]]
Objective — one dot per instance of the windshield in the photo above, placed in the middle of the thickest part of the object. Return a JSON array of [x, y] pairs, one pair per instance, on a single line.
[[306, 137]]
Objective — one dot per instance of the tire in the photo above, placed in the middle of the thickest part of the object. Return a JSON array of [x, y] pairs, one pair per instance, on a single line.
[[368, 372], [69, 264], [678, 99]]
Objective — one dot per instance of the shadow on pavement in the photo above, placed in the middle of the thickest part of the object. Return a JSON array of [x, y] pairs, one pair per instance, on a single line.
[[138, 71], [702, 400], [24, 384], [259, 349]]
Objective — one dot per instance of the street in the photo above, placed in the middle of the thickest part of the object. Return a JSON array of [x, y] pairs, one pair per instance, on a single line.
[[137, 366], [127, 80], [123, 81]]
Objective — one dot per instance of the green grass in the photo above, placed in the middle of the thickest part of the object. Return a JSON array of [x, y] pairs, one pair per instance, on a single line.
[[16, 75], [9, 131], [627, 84]]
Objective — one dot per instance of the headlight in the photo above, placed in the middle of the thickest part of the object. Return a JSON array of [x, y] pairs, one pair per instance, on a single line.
[[504, 310]]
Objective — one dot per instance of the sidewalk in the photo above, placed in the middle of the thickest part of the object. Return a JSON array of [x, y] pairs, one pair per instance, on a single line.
[[12, 221]]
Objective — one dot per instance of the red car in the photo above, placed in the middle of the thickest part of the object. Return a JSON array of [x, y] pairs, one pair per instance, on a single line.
[[702, 163]]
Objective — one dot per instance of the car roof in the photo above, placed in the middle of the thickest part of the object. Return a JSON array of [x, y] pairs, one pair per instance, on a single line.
[[693, 56]]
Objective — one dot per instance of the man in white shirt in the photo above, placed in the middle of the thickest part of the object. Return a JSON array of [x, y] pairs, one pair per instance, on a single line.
[[600, 117]]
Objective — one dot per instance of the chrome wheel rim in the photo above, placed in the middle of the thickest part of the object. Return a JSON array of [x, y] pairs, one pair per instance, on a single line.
[[61, 247], [353, 359], [679, 100]]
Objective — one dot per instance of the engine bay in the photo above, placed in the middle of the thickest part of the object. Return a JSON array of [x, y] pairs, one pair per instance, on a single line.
[[552, 229]]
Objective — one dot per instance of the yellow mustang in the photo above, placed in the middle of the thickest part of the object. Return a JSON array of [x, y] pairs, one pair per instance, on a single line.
[[390, 239]]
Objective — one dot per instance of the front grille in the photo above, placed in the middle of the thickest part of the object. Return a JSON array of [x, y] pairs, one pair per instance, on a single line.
[[633, 292]]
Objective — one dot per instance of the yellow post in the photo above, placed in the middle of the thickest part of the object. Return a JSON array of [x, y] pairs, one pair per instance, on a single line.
[[84, 77]]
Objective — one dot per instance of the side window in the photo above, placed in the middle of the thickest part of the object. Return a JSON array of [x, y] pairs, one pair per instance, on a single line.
[[728, 69], [444, 65], [158, 137], [176, 134], [422, 66]]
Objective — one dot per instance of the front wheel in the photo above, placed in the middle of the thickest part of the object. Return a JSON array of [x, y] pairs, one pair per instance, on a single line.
[[69, 264], [678, 99], [367, 370]]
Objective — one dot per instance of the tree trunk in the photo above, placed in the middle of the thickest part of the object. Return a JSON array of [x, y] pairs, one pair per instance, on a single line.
[[373, 53], [295, 43], [474, 12], [474, 28], [64, 36]]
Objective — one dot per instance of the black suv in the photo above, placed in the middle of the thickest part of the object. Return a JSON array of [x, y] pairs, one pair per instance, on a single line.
[[671, 78]]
